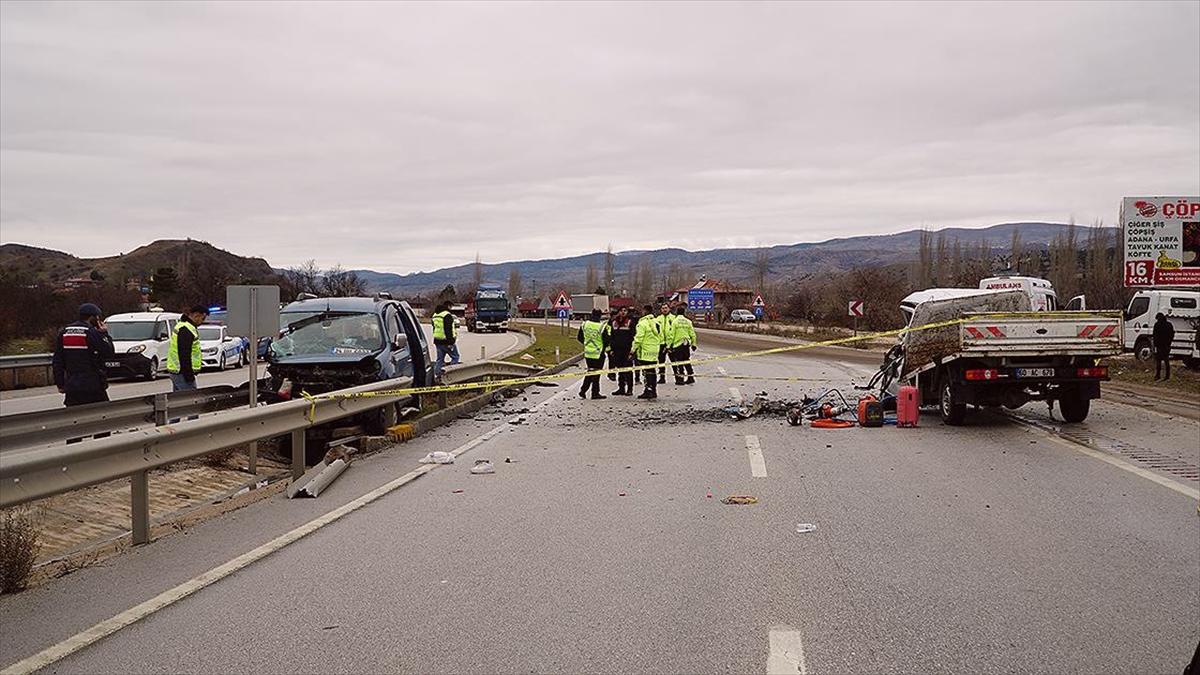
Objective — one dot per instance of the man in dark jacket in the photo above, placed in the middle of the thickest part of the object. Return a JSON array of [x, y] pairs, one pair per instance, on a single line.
[[79, 355], [620, 346], [1164, 335]]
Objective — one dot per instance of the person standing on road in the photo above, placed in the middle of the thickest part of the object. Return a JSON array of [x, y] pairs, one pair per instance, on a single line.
[[666, 322], [683, 343], [594, 336], [183, 354], [647, 345], [445, 338], [1164, 335], [620, 347], [79, 355]]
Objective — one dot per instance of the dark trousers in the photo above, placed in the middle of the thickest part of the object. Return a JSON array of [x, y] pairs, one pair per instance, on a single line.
[[649, 378], [662, 358], [624, 380], [592, 381], [85, 397], [1162, 361], [678, 355]]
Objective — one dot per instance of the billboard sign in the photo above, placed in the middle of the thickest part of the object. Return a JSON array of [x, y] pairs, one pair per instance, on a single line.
[[1162, 241]]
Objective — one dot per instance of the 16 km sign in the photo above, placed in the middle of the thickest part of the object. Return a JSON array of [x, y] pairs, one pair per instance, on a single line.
[[1162, 241]]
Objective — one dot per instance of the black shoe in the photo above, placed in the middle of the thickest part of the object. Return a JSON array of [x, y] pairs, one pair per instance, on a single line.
[[620, 392], [679, 382], [645, 394], [690, 380], [662, 379], [583, 394], [597, 397]]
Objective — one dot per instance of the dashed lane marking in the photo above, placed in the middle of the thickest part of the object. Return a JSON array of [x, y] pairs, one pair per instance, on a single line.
[[758, 465], [786, 655], [57, 652]]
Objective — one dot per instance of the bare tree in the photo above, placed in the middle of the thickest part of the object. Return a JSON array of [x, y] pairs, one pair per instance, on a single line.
[[609, 279], [676, 276], [590, 282], [762, 266], [476, 274], [1017, 251], [924, 271], [341, 283], [956, 263], [514, 283]]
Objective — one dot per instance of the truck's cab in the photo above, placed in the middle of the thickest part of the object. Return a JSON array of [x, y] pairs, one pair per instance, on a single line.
[[488, 310], [1182, 309]]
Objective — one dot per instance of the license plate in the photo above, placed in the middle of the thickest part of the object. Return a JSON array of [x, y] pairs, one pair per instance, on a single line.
[[1035, 372], [112, 364]]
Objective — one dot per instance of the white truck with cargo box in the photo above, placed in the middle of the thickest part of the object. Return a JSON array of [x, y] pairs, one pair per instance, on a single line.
[[987, 348], [583, 304]]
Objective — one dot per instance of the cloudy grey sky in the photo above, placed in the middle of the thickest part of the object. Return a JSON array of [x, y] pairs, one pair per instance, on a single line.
[[402, 137]]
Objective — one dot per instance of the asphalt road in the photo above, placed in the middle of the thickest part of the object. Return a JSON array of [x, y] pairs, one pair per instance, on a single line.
[[45, 398], [991, 547]]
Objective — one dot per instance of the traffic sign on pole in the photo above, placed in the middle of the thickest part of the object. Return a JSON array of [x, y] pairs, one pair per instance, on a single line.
[[700, 299], [856, 308], [758, 301], [564, 313]]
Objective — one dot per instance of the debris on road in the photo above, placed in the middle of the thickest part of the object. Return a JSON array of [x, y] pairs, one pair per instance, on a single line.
[[315, 480], [483, 466], [457, 492], [802, 528], [740, 499], [438, 457]]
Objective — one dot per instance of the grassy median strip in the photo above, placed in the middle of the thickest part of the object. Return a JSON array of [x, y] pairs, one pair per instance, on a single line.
[[547, 338], [1125, 368]]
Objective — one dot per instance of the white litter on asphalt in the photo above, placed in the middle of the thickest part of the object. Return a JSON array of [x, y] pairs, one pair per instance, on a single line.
[[483, 466], [801, 528], [438, 457]]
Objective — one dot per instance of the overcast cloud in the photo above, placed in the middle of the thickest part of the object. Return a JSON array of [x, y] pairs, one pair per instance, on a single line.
[[402, 137]]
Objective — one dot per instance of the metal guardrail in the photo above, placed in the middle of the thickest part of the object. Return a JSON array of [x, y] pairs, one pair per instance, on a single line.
[[26, 361], [33, 473], [59, 425]]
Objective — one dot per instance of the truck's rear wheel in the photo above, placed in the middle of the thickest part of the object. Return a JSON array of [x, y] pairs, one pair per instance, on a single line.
[[953, 413], [1074, 406]]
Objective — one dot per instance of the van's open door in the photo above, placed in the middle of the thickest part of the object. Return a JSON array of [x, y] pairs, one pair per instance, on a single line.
[[1077, 304]]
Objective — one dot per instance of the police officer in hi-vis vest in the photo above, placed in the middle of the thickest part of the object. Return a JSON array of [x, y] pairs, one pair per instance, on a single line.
[[183, 354], [594, 336], [647, 343], [445, 337]]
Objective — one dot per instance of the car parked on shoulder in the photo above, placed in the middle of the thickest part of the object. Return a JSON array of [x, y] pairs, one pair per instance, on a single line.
[[742, 316], [141, 340]]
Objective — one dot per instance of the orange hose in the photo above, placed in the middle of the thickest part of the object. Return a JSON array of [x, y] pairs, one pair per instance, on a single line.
[[831, 424]]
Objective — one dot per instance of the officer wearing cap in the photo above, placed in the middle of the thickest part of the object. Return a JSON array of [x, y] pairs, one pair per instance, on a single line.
[[79, 355]]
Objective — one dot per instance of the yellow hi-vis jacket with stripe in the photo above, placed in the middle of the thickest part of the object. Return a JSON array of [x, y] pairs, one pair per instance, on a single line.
[[592, 334], [173, 347], [684, 333], [648, 338]]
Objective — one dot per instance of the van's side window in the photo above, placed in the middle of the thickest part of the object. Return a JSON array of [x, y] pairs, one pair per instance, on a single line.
[[1183, 303]]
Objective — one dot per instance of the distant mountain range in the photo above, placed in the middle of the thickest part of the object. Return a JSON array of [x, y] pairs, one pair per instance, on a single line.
[[736, 265], [791, 261]]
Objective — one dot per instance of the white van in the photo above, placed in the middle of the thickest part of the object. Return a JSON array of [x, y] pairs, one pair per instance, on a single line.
[[141, 340], [1181, 307], [1041, 292]]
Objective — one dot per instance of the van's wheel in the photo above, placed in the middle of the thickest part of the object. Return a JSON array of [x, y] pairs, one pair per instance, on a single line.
[[953, 413], [383, 419], [1073, 405], [1143, 350], [152, 373]]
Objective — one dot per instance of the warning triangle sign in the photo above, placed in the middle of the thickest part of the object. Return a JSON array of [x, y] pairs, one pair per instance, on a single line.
[[758, 301], [562, 300]]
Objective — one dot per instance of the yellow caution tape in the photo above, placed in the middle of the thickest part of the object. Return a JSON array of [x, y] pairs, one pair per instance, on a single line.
[[534, 379]]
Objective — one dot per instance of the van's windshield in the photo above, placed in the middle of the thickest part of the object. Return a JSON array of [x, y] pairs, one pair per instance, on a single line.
[[131, 330], [334, 333]]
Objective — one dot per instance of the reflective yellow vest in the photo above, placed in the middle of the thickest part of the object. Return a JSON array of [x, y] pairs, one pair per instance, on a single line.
[[684, 332], [439, 326], [647, 339], [593, 339], [173, 348]]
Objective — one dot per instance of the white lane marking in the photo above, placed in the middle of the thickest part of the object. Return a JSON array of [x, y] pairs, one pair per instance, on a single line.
[[136, 613], [786, 654], [737, 395], [758, 465], [721, 370]]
